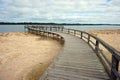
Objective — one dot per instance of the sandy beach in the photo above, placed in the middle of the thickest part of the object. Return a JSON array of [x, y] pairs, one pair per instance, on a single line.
[[112, 37], [25, 56]]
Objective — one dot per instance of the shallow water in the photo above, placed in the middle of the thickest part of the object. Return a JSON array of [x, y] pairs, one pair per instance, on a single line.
[[11, 28], [94, 27], [20, 28]]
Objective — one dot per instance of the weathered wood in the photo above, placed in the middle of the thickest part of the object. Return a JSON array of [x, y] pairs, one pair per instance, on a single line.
[[75, 51], [41, 31], [115, 54], [81, 35], [74, 32], [88, 39], [96, 46], [115, 66]]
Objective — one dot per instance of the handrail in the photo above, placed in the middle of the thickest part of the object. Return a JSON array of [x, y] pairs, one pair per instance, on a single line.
[[45, 33], [112, 68]]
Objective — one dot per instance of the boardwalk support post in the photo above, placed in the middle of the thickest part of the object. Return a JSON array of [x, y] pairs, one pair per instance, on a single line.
[[96, 46], [50, 28], [68, 31], [81, 35], [74, 32], [25, 29], [114, 68], [88, 39], [62, 29]]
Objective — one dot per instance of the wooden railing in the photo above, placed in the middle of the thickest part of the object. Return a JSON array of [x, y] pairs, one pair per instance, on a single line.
[[45, 34], [111, 66], [111, 63]]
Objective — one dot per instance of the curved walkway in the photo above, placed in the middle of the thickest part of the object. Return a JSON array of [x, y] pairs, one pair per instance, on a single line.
[[76, 61]]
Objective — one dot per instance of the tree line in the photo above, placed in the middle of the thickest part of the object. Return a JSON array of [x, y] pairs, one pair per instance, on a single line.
[[36, 23]]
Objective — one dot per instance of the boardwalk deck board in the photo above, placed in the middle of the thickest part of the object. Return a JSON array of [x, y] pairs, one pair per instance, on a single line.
[[76, 61]]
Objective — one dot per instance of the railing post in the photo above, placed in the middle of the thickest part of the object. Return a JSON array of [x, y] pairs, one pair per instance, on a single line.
[[115, 66], [96, 46], [46, 28], [50, 28], [88, 38], [28, 29], [58, 28], [81, 35], [68, 31], [25, 28], [42, 28], [39, 28], [74, 32], [62, 29]]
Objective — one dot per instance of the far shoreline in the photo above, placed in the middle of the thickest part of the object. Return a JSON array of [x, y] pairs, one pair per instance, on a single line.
[[37, 23]]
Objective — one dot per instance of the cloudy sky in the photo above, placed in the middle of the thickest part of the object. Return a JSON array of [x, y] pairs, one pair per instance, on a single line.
[[60, 11]]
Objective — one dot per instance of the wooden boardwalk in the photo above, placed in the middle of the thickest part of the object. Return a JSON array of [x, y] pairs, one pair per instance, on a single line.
[[76, 61]]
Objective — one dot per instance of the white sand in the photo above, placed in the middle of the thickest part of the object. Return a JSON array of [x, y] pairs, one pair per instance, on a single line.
[[25, 56]]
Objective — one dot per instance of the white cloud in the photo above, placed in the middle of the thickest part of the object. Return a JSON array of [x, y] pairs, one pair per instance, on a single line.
[[60, 10]]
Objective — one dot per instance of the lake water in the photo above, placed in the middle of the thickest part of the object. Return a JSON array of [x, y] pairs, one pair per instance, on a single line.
[[94, 27], [11, 28], [20, 28]]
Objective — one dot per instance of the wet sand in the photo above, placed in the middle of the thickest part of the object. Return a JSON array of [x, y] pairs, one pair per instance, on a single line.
[[25, 56]]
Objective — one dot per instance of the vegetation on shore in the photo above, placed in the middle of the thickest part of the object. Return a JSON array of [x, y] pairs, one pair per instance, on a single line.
[[37, 23]]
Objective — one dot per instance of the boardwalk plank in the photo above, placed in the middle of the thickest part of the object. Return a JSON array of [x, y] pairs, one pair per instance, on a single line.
[[76, 61], [76, 72]]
